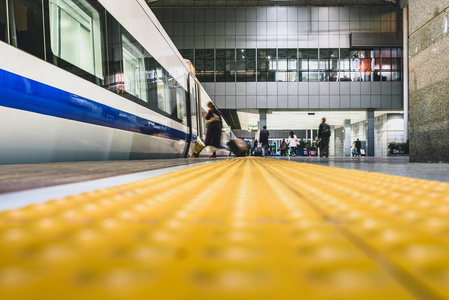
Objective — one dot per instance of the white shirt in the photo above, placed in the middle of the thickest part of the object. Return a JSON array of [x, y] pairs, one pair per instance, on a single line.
[[291, 141]]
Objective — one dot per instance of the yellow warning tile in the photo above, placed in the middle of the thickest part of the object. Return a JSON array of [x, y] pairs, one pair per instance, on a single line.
[[247, 228]]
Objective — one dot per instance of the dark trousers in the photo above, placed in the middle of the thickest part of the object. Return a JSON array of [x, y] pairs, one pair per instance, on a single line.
[[324, 146]]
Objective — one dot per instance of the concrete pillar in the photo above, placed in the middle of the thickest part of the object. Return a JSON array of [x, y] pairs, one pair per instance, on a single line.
[[263, 118], [332, 142], [405, 69], [347, 137], [370, 132]]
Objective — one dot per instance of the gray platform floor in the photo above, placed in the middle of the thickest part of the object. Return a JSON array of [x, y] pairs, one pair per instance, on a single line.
[[399, 166], [15, 178], [30, 176]]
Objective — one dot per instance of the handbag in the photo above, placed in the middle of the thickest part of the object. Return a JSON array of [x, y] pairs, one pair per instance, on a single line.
[[213, 121]]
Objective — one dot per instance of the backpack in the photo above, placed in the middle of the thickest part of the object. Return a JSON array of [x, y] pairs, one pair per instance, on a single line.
[[326, 131]]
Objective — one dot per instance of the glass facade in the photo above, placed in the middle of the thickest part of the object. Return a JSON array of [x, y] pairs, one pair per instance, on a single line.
[[290, 65]]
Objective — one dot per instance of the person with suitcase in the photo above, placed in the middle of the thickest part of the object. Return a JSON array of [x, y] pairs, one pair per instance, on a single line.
[[214, 126], [358, 145]]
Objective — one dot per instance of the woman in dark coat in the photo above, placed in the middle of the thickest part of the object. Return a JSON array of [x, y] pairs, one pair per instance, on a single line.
[[213, 133]]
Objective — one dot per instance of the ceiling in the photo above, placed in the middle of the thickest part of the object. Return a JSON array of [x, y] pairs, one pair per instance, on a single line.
[[252, 3]]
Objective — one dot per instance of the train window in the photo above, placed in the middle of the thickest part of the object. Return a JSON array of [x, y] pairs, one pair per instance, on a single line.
[[3, 33], [25, 26], [75, 34], [134, 69], [181, 108]]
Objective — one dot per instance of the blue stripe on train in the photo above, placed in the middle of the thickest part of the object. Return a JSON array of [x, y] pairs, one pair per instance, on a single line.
[[25, 94]]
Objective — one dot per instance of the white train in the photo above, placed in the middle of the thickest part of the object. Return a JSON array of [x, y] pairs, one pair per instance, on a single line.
[[93, 80]]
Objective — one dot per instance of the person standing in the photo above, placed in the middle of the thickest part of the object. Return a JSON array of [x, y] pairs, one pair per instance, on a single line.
[[291, 141], [324, 133], [283, 147], [358, 145], [263, 138], [214, 126]]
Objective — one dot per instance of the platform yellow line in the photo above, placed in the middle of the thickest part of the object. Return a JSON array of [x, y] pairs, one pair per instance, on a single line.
[[247, 228]]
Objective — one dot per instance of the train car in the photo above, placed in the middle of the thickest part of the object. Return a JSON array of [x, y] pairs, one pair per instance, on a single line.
[[93, 80]]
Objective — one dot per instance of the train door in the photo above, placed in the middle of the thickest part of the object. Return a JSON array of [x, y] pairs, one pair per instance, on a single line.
[[192, 111]]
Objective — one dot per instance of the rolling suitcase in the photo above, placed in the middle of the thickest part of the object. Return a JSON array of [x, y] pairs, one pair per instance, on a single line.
[[306, 152], [258, 151], [238, 146]]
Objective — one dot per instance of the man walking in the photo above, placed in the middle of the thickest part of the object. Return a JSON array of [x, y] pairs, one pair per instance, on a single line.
[[358, 145], [263, 138], [324, 133]]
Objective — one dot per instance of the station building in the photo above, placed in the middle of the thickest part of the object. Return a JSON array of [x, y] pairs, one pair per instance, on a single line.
[[287, 65]]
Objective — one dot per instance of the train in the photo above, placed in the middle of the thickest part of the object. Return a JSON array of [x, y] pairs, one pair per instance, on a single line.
[[91, 80]]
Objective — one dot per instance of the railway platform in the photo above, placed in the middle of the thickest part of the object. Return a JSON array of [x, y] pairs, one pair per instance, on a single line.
[[244, 228]]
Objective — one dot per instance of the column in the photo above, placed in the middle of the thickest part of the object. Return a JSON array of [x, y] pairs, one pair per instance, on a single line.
[[347, 138], [332, 142], [370, 132], [405, 68]]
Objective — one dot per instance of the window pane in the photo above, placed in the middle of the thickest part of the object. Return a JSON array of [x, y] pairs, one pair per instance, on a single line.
[[281, 76], [386, 76], [76, 35], [220, 65], [230, 65], [356, 76], [134, 68], [396, 76], [324, 76], [313, 64], [292, 76], [250, 65], [3, 33], [282, 64], [241, 65], [344, 76], [304, 76], [304, 65], [26, 29], [386, 53], [386, 64], [313, 76], [209, 65], [114, 79]]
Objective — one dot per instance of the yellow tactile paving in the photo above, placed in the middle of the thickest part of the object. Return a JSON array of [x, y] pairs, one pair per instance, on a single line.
[[248, 228]]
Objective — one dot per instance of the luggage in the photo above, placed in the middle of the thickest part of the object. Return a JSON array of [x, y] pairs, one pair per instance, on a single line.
[[362, 152], [258, 151], [312, 153], [306, 152], [238, 146], [198, 147]]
